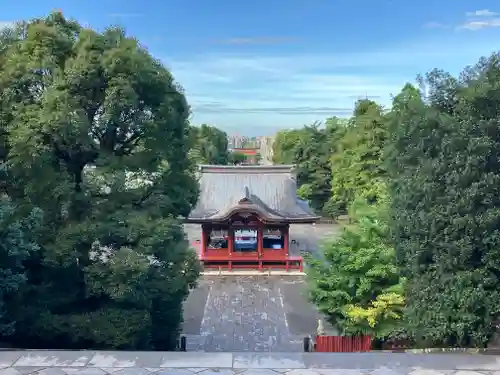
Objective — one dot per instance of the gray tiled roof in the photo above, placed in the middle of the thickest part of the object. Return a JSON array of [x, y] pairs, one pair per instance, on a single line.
[[271, 189]]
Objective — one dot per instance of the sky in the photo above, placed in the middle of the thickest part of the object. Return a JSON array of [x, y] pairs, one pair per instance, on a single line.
[[253, 67]]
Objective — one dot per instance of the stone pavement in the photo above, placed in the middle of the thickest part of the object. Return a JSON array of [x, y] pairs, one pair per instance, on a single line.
[[249, 313], [191, 363]]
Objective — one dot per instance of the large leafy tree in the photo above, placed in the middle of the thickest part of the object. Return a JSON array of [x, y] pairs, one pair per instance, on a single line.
[[356, 284], [16, 245], [209, 145], [357, 158], [444, 163], [308, 149], [95, 134]]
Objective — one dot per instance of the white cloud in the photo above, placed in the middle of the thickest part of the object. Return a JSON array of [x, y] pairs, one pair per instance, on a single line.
[[480, 19], [481, 13], [481, 24], [259, 93]]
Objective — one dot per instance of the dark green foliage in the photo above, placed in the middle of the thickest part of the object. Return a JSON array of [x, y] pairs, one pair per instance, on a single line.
[[444, 162], [357, 268], [357, 162], [309, 149], [236, 158], [96, 136], [16, 245], [209, 145]]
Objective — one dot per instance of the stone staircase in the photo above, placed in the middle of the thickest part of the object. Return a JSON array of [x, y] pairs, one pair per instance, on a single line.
[[199, 343]]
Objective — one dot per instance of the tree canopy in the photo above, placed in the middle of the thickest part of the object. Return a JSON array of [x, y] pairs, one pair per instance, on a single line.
[[94, 134], [428, 269], [209, 145], [445, 175]]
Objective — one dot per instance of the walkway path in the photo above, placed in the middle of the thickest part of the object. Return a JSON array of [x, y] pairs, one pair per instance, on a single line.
[[177, 363], [266, 313], [253, 313]]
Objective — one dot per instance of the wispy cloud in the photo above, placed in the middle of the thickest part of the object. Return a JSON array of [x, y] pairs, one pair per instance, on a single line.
[[258, 40], [481, 13], [480, 19], [435, 25], [246, 91], [481, 24], [476, 20]]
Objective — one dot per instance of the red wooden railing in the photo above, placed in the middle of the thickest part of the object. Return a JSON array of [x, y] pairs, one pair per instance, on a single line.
[[343, 344]]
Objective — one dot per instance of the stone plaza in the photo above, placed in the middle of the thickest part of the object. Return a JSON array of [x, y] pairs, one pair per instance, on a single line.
[[199, 363], [253, 313]]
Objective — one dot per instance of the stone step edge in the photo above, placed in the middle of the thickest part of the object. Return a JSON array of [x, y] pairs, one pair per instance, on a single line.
[[486, 351], [252, 273], [495, 351]]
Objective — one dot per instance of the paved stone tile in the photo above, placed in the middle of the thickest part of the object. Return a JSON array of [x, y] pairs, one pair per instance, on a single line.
[[8, 358], [9, 371], [126, 359], [262, 371], [269, 360], [132, 371], [51, 371], [84, 371], [375, 360], [216, 371], [302, 372], [428, 372], [54, 358], [338, 372], [388, 371], [28, 370], [188, 360], [244, 314], [173, 371]]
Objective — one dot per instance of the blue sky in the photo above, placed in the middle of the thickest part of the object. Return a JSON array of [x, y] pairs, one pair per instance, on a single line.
[[252, 67]]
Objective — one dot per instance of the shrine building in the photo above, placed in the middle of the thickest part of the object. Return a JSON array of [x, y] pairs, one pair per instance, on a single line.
[[245, 214]]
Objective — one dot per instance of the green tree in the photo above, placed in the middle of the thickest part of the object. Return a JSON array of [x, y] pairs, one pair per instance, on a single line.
[[16, 245], [236, 158], [357, 158], [96, 136], [444, 163], [209, 145], [284, 145], [308, 149], [357, 283]]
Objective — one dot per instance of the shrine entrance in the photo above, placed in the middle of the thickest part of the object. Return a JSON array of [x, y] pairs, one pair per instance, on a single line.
[[246, 241]]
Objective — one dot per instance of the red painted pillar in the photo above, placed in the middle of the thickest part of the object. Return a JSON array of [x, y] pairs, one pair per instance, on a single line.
[[204, 240], [259, 240], [230, 241], [286, 239]]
